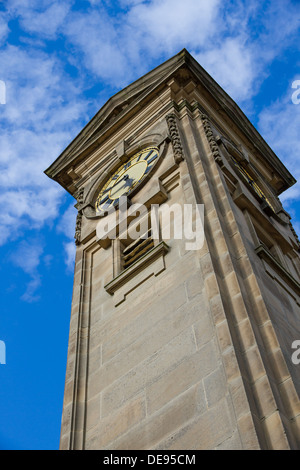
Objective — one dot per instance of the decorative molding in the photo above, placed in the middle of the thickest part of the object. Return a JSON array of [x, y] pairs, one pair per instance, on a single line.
[[80, 198], [210, 137], [175, 138], [77, 235]]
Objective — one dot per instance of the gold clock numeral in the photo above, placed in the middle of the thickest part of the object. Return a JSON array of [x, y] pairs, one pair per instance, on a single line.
[[148, 169], [127, 165], [148, 154], [151, 159]]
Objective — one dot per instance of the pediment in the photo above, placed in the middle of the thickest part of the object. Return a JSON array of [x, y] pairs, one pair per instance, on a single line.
[[123, 104], [116, 107], [112, 109]]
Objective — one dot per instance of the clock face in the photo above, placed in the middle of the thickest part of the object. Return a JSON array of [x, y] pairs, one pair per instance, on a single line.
[[125, 178]]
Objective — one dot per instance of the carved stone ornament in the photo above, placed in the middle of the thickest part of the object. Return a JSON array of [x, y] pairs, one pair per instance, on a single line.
[[175, 138], [210, 136], [77, 235]]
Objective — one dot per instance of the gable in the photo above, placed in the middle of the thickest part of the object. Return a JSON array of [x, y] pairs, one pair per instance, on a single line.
[[124, 104]]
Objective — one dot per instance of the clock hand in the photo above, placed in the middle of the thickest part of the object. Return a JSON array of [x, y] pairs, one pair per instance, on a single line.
[[120, 180], [128, 181], [123, 180]]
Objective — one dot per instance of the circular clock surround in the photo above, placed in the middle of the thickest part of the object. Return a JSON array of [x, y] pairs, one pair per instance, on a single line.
[[126, 178]]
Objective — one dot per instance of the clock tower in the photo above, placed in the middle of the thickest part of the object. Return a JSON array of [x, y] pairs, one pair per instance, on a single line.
[[186, 295]]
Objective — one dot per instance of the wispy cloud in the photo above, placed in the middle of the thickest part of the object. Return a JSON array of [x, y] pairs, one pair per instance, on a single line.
[[70, 250], [27, 256], [45, 23], [66, 224], [231, 54], [4, 29], [167, 25], [98, 47], [38, 120]]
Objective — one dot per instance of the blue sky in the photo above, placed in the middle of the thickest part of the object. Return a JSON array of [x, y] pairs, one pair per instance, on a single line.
[[60, 61]]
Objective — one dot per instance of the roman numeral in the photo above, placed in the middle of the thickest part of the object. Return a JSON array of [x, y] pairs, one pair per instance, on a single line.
[[148, 169], [151, 159], [148, 155], [127, 165], [103, 200], [105, 203]]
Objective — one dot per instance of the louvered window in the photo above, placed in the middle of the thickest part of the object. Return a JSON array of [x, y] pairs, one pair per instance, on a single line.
[[137, 249]]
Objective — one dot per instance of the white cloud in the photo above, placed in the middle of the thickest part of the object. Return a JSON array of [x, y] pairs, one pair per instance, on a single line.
[[47, 22], [4, 29], [43, 17], [234, 41], [242, 52], [232, 65], [27, 256], [165, 25], [43, 112], [30, 294], [38, 90], [70, 250], [98, 45], [119, 49], [125, 3], [66, 224]]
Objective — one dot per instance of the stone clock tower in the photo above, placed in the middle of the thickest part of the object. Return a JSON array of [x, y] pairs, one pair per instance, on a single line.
[[171, 347]]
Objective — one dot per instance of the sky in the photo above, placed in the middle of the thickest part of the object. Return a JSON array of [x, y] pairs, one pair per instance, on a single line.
[[60, 61]]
